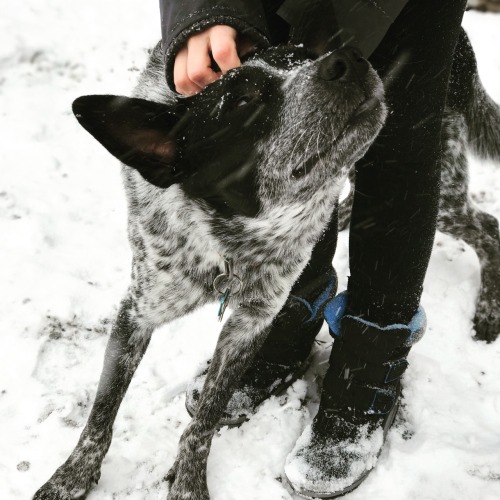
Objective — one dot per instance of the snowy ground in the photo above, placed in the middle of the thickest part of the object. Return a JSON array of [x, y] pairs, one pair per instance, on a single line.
[[65, 265]]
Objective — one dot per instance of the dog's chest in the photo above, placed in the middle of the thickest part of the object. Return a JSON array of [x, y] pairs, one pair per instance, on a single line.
[[169, 234], [176, 243]]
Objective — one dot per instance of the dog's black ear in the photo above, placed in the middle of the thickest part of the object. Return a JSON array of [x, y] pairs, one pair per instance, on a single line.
[[139, 133]]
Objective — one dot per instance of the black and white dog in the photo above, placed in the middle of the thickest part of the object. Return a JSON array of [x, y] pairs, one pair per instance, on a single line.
[[283, 133]]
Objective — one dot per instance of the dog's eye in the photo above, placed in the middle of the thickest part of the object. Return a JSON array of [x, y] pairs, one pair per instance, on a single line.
[[236, 102], [305, 167], [299, 172], [243, 101]]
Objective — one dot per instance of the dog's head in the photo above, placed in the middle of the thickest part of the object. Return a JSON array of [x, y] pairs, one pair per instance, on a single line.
[[270, 132]]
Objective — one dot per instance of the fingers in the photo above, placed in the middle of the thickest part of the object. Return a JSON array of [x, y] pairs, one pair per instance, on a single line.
[[199, 69], [192, 66], [224, 49], [182, 83]]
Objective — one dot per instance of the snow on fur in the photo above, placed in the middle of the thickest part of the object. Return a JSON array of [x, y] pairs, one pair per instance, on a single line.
[[65, 266]]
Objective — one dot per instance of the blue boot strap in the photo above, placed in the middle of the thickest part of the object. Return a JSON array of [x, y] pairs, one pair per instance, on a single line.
[[335, 310]]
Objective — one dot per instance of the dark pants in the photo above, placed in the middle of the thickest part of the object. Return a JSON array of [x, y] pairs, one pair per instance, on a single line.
[[397, 182]]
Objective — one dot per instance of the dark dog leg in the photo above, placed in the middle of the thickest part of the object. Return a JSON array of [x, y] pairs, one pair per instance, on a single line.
[[487, 246], [480, 231], [239, 341], [126, 346], [460, 219]]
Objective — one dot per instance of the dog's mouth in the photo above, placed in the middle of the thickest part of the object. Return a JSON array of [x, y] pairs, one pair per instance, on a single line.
[[362, 111], [366, 107]]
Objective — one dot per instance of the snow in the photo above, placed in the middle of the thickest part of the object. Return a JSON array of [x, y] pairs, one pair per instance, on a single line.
[[65, 265]]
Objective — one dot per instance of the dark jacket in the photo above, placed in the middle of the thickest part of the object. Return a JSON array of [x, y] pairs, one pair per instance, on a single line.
[[318, 24]]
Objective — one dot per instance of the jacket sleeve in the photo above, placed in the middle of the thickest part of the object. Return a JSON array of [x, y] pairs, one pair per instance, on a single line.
[[323, 25], [182, 18]]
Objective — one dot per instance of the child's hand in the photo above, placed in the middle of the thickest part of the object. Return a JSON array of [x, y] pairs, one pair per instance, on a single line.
[[192, 66]]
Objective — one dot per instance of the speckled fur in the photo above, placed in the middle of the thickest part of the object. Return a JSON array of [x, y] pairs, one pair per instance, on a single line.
[[179, 245]]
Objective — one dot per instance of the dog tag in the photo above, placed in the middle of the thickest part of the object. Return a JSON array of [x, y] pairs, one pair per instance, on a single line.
[[224, 301], [231, 282]]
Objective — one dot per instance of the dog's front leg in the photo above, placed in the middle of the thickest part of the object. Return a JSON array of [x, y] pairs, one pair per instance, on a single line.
[[239, 341], [126, 346]]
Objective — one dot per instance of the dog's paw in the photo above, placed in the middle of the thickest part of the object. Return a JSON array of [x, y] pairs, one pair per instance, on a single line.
[[187, 481], [188, 474], [486, 329], [171, 474], [66, 484], [487, 318], [51, 491], [48, 492], [183, 492]]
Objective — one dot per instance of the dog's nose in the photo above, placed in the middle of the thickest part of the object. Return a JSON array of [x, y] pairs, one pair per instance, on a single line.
[[343, 65]]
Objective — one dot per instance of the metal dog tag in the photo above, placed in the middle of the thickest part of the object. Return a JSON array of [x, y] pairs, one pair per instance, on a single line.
[[224, 301], [228, 278]]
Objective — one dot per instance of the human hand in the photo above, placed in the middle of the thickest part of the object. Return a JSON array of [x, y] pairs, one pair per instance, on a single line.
[[192, 66]]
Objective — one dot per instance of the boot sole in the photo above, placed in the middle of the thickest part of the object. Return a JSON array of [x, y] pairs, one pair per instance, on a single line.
[[277, 391], [313, 494]]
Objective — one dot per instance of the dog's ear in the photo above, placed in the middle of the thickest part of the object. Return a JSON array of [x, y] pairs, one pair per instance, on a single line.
[[139, 133]]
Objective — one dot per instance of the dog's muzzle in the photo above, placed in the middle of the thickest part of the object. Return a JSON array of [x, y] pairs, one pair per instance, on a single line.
[[344, 65]]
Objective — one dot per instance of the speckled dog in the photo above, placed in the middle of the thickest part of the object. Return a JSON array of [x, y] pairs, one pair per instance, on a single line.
[[243, 135], [283, 134]]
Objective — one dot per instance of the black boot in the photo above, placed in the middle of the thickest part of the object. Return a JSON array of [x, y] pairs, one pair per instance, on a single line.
[[359, 401], [283, 357]]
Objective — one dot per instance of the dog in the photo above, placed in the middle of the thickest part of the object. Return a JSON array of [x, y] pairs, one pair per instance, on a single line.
[[187, 163]]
